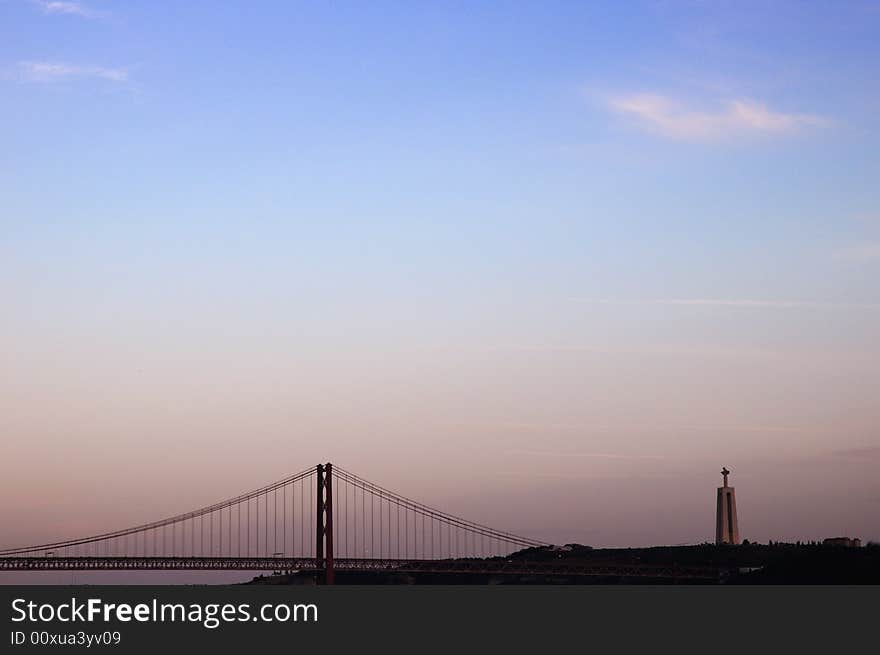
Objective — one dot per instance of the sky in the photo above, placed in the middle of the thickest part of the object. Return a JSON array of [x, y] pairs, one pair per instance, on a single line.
[[546, 265]]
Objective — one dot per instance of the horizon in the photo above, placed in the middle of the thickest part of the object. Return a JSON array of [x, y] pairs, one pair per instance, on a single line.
[[548, 267]]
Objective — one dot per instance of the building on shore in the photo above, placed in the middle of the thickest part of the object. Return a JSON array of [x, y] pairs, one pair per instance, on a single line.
[[846, 542]]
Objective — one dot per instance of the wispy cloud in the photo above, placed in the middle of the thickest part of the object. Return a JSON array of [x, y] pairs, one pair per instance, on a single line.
[[672, 119], [539, 475], [792, 356], [44, 71], [657, 427], [867, 453], [861, 253], [567, 454], [735, 302], [69, 8]]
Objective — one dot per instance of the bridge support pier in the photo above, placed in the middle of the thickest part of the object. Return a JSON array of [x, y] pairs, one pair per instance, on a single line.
[[324, 523]]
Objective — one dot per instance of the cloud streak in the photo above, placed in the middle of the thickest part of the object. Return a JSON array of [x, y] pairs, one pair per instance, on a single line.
[[56, 7], [867, 453], [669, 118], [43, 71], [652, 427], [734, 302], [553, 453]]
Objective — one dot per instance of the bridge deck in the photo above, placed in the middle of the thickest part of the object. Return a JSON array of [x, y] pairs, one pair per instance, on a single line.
[[499, 566]]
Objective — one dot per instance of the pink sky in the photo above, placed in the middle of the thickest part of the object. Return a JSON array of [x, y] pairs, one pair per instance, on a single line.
[[602, 440]]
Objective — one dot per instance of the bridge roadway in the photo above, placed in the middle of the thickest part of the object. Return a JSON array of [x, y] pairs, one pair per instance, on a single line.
[[495, 566]]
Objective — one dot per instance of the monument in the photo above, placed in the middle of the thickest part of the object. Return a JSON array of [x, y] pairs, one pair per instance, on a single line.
[[726, 528]]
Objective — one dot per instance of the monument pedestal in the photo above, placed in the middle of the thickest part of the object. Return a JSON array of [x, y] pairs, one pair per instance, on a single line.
[[726, 528]]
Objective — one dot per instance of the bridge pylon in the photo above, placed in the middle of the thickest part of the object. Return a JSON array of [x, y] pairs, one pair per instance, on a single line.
[[324, 522]]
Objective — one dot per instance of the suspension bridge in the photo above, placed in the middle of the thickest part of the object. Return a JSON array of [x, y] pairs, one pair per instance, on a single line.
[[322, 520]]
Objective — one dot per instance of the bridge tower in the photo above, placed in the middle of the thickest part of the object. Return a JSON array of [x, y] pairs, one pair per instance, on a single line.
[[726, 527], [324, 522]]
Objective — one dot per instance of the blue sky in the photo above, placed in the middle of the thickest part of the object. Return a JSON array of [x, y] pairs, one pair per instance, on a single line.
[[588, 219], [559, 125]]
